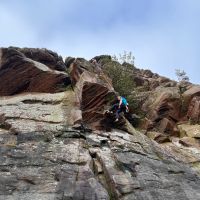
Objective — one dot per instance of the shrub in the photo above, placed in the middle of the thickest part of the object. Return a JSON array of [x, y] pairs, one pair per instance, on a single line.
[[122, 80]]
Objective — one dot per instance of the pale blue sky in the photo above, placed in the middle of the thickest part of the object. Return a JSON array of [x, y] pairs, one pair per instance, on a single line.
[[162, 34]]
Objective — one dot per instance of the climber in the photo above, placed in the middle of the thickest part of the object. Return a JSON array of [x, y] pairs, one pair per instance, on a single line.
[[120, 106]]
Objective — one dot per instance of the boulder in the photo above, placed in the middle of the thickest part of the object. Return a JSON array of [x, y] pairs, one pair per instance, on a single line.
[[167, 126], [80, 65], [190, 142], [192, 131], [193, 113], [139, 81], [68, 61], [103, 57], [192, 91], [44, 56], [163, 109], [93, 92], [158, 137], [19, 72], [153, 84]]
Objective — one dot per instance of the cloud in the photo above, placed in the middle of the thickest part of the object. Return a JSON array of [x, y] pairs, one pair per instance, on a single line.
[[163, 35]]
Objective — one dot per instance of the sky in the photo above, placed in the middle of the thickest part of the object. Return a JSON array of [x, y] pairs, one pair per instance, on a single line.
[[163, 35]]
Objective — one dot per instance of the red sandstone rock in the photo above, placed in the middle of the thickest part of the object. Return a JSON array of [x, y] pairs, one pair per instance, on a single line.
[[167, 126], [194, 110], [192, 91], [139, 81], [92, 90], [163, 110], [30, 70], [44, 56]]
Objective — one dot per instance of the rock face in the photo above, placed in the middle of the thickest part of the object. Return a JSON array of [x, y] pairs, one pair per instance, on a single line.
[[31, 70], [92, 90], [43, 157], [194, 110], [56, 146], [192, 131], [165, 107], [163, 110]]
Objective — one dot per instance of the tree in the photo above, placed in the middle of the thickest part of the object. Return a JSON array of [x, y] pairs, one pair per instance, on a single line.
[[182, 86], [181, 75], [125, 57], [183, 79]]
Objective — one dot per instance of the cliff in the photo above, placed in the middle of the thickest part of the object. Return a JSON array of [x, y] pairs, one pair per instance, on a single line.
[[57, 143]]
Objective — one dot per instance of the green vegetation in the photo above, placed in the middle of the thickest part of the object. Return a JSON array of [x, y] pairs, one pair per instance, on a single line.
[[182, 86], [125, 57], [123, 81], [121, 78], [182, 78]]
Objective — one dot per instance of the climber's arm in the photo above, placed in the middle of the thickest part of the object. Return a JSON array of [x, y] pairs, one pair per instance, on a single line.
[[120, 102]]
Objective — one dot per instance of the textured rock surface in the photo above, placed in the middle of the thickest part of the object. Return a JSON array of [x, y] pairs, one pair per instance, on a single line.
[[31, 70], [163, 109], [190, 142], [193, 113], [44, 163], [36, 112], [161, 102], [56, 146], [190, 130], [92, 92], [191, 92], [39, 160]]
